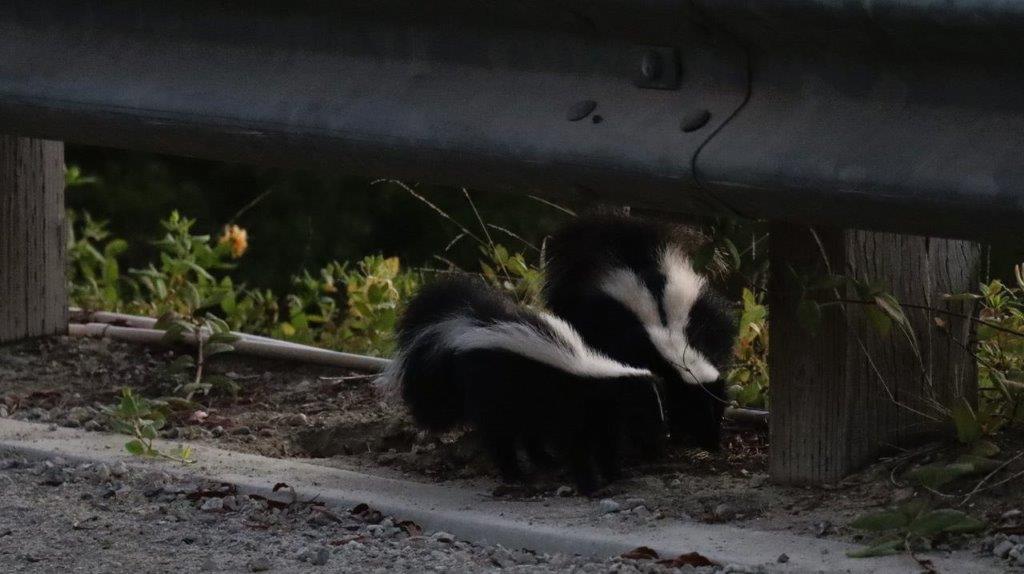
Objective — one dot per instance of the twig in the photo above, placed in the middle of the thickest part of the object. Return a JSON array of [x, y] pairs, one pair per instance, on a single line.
[[250, 205], [978, 488], [552, 204], [995, 326]]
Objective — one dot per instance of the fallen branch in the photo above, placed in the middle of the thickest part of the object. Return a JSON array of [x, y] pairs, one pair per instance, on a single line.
[[246, 345]]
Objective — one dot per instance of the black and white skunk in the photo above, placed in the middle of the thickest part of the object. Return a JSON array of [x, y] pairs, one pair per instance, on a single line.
[[629, 288], [467, 354]]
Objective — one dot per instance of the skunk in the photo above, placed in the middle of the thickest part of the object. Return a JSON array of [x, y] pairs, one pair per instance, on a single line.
[[628, 287], [467, 354]]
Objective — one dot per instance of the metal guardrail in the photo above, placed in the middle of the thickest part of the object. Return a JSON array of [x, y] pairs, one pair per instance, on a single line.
[[892, 115]]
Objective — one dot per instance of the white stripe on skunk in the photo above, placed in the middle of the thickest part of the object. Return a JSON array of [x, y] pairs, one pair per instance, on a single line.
[[682, 287], [466, 354]]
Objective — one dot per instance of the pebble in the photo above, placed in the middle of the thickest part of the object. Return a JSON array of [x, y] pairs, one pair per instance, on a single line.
[[726, 511], [92, 425], [783, 558], [564, 491], [1002, 550], [77, 416], [241, 430], [102, 472], [608, 506], [217, 431], [321, 557], [230, 503], [675, 483], [632, 503], [266, 432], [212, 505], [442, 537], [119, 469], [298, 419], [3, 411]]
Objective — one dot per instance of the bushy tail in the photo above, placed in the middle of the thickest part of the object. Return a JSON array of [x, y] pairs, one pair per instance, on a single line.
[[423, 370]]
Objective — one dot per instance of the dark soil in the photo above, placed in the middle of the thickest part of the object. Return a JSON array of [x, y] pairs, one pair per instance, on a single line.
[[336, 418]]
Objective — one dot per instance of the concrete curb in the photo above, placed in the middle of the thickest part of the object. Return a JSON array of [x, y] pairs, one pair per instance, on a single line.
[[562, 525]]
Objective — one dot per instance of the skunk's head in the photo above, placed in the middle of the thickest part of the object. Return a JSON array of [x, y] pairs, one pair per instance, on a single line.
[[689, 327], [690, 331]]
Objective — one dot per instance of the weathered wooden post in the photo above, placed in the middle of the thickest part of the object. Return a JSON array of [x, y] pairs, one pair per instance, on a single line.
[[841, 391], [33, 294]]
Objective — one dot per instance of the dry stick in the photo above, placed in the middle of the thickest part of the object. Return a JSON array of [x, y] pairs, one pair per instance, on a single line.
[[552, 204], [936, 310], [262, 348], [513, 235], [978, 487]]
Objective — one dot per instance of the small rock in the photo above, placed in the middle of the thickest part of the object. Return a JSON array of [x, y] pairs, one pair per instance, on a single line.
[[92, 425], [212, 505], [783, 558], [564, 491], [119, 469], [102, 472], [259, 565], [230, 503], [54, 477], [297, 419], [320, 557], [726, 511], [1011, 514], [266, 432], [3, 411], [608, 505], [1017, 553], [902, 494], [443, 537], [632, 503], [217, 431], [77, 416], [241, 430], [675, 483]]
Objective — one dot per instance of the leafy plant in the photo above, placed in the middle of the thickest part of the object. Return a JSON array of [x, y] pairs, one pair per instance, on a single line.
[[211, 336], [142, 419], [911, 527], [748, 378], [94, 274]]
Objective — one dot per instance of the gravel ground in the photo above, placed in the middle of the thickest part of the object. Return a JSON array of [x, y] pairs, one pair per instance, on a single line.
[[62, 517]]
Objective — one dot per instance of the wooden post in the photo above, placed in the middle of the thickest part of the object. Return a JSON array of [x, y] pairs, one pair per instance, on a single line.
[[842, 392], [33, 293]]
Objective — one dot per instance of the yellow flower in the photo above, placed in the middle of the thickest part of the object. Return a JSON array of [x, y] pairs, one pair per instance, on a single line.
[[237, 238]]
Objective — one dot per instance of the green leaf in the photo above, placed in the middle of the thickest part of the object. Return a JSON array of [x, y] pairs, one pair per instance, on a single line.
[[880, 521], [224, 338], [968, 525], [912, 508], [879, 320], [934, 476], [968, 430], [934, 522], [182, 363], [135, 447], [174, 334], [885, 548], [211, 349]]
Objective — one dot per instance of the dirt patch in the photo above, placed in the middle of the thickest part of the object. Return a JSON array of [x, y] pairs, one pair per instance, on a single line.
[[335, 417]]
